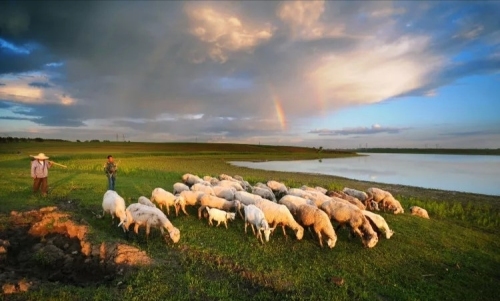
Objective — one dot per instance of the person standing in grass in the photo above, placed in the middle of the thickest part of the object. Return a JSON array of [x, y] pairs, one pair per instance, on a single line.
[[40, 172], [110, 170]]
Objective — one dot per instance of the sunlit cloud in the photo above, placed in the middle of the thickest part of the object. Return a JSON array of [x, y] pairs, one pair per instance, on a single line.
[[224, 32], [303, 18]]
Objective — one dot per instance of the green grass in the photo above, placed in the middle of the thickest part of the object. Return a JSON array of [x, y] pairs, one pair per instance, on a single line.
[[453, 256]]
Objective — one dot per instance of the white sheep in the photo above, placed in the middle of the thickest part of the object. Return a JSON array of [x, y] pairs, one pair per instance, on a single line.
[[190, 179], [179, 187], [379, 222], [419, 211], [228, 183], [350, 199], [255, 216], [114, 204], [309, 215], [300, 193], [317, 197], [145, 201], [140, 215], [219, 203], [345, 214], [360, 195], [247, 198], [262, 185], [292, 202], [163, 198], [224, 192], [317, 188], [204, 188], [187, 198], [386, 199], [279, 189], [265, 193], [219, 216], [277, 214]]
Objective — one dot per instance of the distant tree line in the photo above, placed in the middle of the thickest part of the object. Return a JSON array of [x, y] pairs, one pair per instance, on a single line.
[[17, 139]]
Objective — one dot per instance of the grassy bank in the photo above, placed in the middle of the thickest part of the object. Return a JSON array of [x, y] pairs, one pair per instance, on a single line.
[[453, 256]]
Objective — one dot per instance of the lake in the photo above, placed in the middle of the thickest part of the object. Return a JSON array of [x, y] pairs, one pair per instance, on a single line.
[[465, 173]]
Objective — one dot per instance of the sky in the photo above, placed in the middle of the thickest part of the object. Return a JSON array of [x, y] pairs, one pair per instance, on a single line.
[[329, 74]]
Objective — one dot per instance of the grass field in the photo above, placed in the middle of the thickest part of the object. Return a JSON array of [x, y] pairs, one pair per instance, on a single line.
[[453, 256]]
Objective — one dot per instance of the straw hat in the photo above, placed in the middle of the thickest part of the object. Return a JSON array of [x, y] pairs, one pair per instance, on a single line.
[[40, 156]]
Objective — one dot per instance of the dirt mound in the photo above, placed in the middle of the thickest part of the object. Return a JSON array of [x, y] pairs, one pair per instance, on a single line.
[[47, 246]]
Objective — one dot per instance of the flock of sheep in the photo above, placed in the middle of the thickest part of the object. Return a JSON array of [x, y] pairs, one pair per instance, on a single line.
[[264, 206]]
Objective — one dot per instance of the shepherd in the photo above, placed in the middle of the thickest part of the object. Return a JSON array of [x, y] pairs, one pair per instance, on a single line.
[[40, 172], [110, 169]]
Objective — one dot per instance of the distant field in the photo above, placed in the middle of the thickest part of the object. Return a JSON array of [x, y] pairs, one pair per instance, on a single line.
[[442, 151], [453, 256]]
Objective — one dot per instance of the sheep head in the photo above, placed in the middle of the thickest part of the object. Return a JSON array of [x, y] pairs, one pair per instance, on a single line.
[[231, 215], [331, 242], [175, 234], [370, 240], [389, 233], [299, 232], [264, 226]]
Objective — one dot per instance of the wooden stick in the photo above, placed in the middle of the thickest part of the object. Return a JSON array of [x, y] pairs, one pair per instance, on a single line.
[[58, 164]]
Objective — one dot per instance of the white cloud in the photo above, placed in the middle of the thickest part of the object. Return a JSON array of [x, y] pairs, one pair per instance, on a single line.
[[373, 72], [225, 33], [303, 18]]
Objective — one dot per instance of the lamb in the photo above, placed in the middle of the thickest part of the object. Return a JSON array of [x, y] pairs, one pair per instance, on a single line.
[[114, 204], [309, 215], [345, 214], [163, 198], [255, 216], [219, 216], [150, 217], [292, 202], [266, 194], [386, 199], [145, 201], [219, 203], [179, 187], [204, 188], [419, 211], [277, 214], [379, 222], [224, 192], [278, 188], [190, 179]]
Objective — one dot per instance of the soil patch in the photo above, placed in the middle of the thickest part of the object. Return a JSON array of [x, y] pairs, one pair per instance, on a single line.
[[47, 246]]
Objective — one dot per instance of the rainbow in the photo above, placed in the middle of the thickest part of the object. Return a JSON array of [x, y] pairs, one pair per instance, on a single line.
[[280, 114]]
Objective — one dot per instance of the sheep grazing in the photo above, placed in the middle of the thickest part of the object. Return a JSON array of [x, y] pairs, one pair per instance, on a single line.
[[279, 189], [187, 198], [145, 201], [386, 199], [360, 195], [203, 188], [247, 198], [114, 204], [238, 178], [277, 214], [300, 193], [347, 214], [219, 203], [342, 195], [292, 202], [418, 211], [309, 215], [179, 187], [190, 179], [317, 197], [379, 222], [317, 188], [163, 198], [224, 192], [228, 183], [265, 193], [262, 185], [219, 216], [140, 215], [255, 216]]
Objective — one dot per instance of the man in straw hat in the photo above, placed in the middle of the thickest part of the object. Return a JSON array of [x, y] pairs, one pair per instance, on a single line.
[[39, 172]]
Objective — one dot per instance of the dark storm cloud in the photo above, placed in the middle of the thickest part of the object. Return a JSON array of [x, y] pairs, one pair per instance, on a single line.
[[40, 85]]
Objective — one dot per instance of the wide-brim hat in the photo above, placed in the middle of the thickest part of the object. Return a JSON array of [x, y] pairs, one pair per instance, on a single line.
[[40, 156]]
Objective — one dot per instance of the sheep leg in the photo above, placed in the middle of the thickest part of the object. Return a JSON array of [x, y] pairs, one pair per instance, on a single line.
[[200, 210], [253, 230], [259, 235], [184, 210], [284, 232], [246, 224], [148, 229], [210, 221], [320, 238], [218, 223], [225, 223], [168, 209]]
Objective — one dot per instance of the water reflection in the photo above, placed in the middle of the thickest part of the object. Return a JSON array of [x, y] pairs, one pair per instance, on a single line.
[[477, 174]]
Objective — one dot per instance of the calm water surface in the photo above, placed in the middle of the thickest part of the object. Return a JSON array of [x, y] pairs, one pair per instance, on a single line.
[[476, 174]]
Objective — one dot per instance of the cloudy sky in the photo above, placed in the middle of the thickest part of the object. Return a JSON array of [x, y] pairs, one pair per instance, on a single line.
[[315, 73]]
